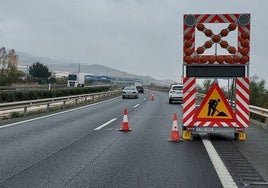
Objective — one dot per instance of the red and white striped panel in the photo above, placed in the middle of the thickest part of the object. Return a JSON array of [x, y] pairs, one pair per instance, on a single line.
[[242, 102], [189, 100], [195, 22], [189, 107]]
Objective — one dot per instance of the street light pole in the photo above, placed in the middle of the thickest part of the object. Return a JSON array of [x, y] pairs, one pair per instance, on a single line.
[[215, 79]]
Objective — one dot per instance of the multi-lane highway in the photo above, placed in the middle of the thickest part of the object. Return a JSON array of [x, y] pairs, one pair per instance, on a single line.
[[83, 147]]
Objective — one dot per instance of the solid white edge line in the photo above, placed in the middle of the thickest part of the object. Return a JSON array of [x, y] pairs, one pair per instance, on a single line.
[[103, 125], [223, 174], [136, 106], [42, 117]]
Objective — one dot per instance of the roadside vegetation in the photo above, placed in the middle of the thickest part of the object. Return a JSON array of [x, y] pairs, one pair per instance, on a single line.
[[258, 93], [11, 76], [22, 95], [37, 74]]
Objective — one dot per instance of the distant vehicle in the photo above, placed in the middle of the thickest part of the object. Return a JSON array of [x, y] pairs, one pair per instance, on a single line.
[[137, 83], [82, 79], [76, 80], [130, 92], [175, 93], [139, 86], [140, 89]]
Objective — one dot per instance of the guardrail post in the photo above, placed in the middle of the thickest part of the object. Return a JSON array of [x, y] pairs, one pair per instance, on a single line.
[[25, 111], [48, 107]]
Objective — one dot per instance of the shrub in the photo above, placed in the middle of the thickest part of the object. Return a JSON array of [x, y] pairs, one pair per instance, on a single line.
[[16, 114], [12, 96]]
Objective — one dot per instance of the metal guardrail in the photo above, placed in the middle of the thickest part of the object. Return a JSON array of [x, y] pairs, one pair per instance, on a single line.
[[258, 113], [43, 87], [31, 87], [31, 103]]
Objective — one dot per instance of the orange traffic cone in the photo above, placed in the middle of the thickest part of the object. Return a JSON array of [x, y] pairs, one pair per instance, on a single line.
[[125, 126], [152, 97], [175, 135]]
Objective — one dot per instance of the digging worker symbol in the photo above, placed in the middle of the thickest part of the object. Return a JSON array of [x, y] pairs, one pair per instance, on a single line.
[[212, 108], [212, 105]]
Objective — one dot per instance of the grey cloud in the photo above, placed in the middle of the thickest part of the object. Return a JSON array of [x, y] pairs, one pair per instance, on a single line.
[[137, 36]]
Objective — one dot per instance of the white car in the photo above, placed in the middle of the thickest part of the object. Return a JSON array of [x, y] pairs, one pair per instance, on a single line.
[[176, 93], [130, 92]]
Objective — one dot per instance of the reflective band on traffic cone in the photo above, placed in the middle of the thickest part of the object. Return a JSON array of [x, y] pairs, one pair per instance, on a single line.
[[125, 126], [175, 135]]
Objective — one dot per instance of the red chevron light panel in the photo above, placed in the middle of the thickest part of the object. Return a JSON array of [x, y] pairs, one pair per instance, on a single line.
[[236, 55]]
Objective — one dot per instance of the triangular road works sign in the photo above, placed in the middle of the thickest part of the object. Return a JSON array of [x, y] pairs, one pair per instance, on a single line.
[[214, 107]]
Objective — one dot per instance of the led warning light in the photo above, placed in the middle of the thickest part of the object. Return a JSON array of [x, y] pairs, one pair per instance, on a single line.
[[237, 22]]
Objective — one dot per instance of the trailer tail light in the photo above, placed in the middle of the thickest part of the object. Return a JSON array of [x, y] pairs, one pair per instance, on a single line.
[[239, 129], [190, 128]]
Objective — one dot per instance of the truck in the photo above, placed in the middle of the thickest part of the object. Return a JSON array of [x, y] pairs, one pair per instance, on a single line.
[[136, 83], [139, 86], [76, 80]]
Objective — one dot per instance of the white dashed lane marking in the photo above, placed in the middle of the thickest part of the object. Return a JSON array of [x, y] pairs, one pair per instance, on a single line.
[[105, 124]]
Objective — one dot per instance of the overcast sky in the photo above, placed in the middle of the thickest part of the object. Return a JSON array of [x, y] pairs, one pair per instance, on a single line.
[[142, 37]]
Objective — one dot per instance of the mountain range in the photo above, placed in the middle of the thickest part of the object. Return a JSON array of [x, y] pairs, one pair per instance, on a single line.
[[63, 68]]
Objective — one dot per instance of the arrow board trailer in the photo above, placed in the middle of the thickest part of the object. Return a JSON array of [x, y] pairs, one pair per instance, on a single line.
[[215, 114]]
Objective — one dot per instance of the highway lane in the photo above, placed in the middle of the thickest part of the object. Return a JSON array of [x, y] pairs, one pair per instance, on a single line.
[[27, 143], [65, 150]]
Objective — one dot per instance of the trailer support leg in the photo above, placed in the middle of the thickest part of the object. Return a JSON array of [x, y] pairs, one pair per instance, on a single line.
[[241, 136], [187, 135]]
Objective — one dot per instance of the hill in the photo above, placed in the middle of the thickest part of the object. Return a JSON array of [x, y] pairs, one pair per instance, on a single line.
[[63, 68]]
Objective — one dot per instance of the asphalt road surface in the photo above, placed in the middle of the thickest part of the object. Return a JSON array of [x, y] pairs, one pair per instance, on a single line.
[[83, 147]]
